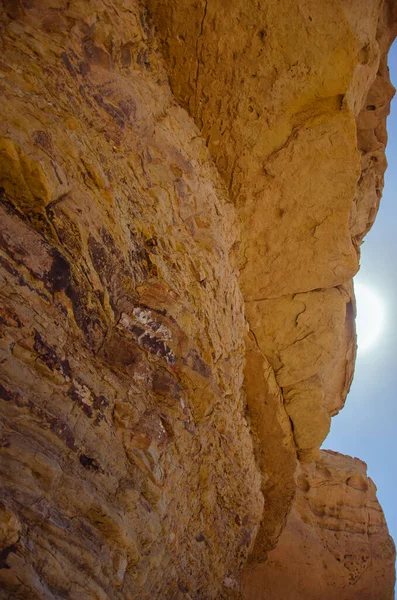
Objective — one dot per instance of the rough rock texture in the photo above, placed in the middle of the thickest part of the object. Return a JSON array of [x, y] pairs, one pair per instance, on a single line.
[[335, 544], [279, 107], [183, 196], [295, 119], [127, 467]]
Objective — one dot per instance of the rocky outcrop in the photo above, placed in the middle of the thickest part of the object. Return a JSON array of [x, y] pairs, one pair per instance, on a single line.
[[335, 544], [183, 196], [294, 116], [280, 107], [127, 468]]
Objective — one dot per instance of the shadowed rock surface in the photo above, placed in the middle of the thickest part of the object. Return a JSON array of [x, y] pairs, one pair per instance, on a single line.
[[184, 190]]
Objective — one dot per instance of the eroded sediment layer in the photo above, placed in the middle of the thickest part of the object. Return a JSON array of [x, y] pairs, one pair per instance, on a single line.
[[177, 319], [335, 544], [127, 467], [280, 91], [292, 100]]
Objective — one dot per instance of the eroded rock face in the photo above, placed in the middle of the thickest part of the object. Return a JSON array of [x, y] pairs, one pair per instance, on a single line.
[[335, 544], [177, 244], [127, 468], [281, 107], [291, 98]]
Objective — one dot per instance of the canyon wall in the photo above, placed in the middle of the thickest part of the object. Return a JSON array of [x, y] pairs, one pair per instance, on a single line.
[[184, 190], [335, 543], [291, 98]]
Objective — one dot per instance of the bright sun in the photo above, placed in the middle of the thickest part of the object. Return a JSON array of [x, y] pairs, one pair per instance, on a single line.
[[370, 317]]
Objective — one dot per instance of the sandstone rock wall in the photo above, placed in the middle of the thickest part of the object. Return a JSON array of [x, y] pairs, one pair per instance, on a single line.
[[183, 196], [291, 98], [127, 468], [335, 544], [280, 108]]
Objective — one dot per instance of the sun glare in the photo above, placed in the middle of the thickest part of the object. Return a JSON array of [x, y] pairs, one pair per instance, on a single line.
[[370, 317]]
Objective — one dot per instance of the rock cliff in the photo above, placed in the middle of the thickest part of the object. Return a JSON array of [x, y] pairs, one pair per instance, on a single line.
[[184, 190], [335, 543]]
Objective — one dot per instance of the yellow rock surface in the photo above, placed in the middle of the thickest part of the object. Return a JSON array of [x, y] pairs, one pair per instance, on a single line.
[[335, 543], [185, 186], [290, 114], [125, 454]]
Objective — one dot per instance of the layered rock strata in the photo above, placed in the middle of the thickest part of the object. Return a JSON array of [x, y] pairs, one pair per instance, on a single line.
[[295, 120], [294, 116], [178, 239], [127, 468], [335, 543]]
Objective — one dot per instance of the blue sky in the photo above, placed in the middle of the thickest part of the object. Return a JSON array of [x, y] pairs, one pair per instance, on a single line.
[[367, 426]]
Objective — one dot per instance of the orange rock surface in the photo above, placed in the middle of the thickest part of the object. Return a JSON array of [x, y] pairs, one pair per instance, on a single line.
[[335, 543], [184, 187]]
